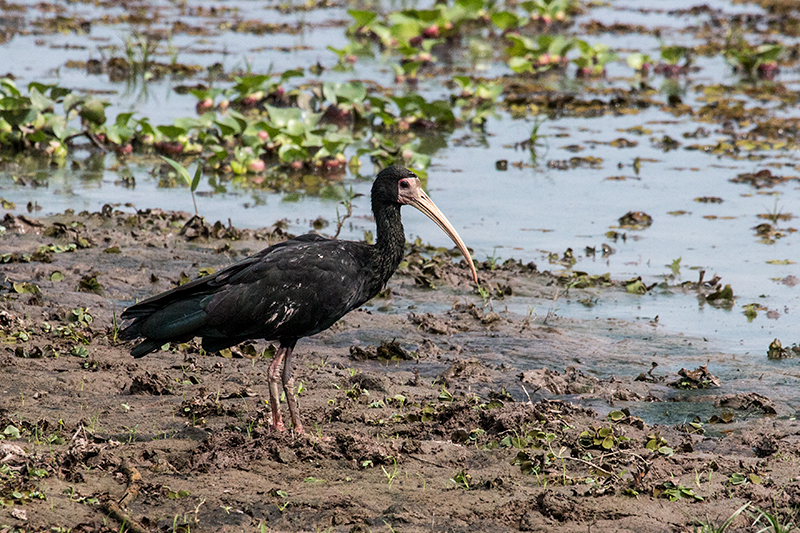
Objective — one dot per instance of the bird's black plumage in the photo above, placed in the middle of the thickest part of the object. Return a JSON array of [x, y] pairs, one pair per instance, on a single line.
[[290, 290]]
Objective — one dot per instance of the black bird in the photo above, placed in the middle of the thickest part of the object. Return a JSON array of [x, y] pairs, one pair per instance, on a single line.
[[290, 290]]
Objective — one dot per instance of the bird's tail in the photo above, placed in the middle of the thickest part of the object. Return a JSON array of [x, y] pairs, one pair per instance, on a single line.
[[133, 331], [145, 347]]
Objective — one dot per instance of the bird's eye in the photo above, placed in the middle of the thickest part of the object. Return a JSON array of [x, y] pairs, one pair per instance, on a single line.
[[404, 184]]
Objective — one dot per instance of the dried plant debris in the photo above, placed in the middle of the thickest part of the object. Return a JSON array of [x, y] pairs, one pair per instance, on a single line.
[[699, 378], [721, 296], [747, 401], [386, 351], [777, 351], [761, 179], [635, 220]]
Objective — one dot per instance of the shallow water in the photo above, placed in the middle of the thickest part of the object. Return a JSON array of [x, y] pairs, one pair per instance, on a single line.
[[520, 213]]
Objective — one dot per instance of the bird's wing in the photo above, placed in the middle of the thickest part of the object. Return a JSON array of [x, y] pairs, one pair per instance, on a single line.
[[286, 291], [293, 293], [209, 284]]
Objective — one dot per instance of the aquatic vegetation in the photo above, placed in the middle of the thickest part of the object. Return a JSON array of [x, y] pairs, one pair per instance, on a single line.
[[754, 62], [593, 59], [477, 99], [540, 55], [33, 121], [639, 62], [676, 59]]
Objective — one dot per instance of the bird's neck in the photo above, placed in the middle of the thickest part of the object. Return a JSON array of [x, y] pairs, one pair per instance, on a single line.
[[390, 240]]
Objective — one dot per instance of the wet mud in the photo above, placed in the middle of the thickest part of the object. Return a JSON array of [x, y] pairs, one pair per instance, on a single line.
[[465, 419]]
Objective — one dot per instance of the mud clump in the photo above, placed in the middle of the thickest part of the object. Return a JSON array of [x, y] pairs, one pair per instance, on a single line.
[[436, 324], [387, 351], [747, 401], [150, 384]]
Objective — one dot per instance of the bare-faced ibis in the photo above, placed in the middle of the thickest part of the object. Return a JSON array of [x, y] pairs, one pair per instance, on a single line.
[[290, 290]]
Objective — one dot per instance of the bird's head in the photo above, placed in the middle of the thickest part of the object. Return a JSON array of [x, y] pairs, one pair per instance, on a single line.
[[398, 185], [395, 185]]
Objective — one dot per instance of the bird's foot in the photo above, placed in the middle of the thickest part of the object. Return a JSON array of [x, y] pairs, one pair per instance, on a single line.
[[277, 425]]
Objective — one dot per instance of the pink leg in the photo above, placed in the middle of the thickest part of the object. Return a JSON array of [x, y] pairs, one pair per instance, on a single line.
[[288, 387], [274, 377]]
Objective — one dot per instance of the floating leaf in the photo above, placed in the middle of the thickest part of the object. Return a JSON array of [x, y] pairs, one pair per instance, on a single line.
[[29, 288], [635, 220], [635, 286], [94, 111], [725, 293]]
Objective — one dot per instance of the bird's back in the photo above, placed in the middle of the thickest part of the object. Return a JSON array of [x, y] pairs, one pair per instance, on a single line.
[[290, 290]]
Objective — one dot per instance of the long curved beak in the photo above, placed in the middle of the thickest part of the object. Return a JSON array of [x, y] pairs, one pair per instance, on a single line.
[[421, 201]]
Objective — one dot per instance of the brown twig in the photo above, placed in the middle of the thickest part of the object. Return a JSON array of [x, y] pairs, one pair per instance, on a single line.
[[115, 509], [588, 463], [348, 204], [92, 138], [134, 483], [630, 454]]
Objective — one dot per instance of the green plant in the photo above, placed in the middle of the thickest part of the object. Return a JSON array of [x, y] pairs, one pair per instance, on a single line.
[[131, 432], [138, 50], [545, 53], [593, 58], [675, 492], [175, 494], [709, 527], [675, 266], [602, 437], [656, 443], [183, 172], [773, 522], [754, 61], [671, 55], [737, 478], [548, 11], [300, 139], [462, 479], [639, 62], [10, 432], [384, 150], [347, 99], [348, 205], [31, 121], [535, 143], [445, 395], [477, 100], [349, 54], [390, 476]]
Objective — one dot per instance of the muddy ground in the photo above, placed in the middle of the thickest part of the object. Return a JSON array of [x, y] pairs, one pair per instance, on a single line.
[[415, 421]]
